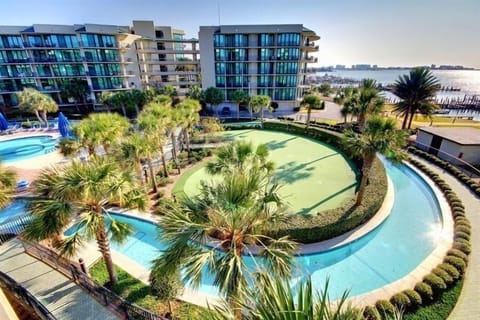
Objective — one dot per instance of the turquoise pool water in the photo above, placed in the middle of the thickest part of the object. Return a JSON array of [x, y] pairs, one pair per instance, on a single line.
[[24, 148], [381, 257], [14, 209]]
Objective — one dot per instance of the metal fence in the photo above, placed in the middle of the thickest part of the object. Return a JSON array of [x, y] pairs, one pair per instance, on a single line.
[[23, 295], [12, 227], [73, 271]]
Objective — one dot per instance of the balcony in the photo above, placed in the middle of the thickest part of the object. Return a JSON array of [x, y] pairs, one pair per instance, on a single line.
[[11, 60], [310, 47]]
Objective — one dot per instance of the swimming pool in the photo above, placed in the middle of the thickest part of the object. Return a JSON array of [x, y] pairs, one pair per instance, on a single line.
[[379, 258], [14, 209], [24, 148]]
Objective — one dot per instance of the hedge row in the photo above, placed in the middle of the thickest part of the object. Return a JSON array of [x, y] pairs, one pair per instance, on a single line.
[[447, 166], [442, 277], [331, 223]]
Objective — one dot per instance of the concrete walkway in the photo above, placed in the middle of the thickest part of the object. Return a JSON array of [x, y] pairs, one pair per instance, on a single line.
[[62, 297], [467, 306]]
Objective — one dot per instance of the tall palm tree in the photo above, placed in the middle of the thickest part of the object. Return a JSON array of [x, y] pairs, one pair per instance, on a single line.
[[189, 109], [132, 151], [272, 298], [7, 185], [416, 92], [242, 156], [311, 101], [84, 190], [347, 98], [37, 102], [237, 97], [379, 136], [368, 103], [214, 232], [259, 103], [101, 129]]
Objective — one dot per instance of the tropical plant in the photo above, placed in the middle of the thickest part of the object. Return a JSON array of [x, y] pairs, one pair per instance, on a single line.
[[169, 91], [210, 126], [76, 90], [347, 97], [36, 102], [311, 101], [69, 147], [188, 118], [272, 298], [325, 89], [100, 129], [259, 103], [83, 190], [7, 185], [242, 156], [213, 96], [368, 103], [195, 92], [416, 91], [213, 232], [132, 151], [237, 97], [379, 136], [166, 287]]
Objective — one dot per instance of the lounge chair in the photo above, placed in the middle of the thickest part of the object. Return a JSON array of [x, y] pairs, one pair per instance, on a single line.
[[22, 185]]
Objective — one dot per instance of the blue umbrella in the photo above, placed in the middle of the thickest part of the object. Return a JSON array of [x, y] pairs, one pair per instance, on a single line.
[[63, 125], [3, 123]]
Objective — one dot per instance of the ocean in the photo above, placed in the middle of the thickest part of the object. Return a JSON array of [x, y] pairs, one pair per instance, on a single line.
[[468, 81]]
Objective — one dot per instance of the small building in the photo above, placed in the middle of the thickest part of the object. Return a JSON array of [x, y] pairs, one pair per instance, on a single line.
[[452, 144]]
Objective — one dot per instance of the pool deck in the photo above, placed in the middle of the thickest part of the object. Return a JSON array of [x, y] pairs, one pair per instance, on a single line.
[[467, 307], [61, 296]]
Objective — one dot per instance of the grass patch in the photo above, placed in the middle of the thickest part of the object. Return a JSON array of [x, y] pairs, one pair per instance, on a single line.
[[139, 293], [179, 187], [441, 308]]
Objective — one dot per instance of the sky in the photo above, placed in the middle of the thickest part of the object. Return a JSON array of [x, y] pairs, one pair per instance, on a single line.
[[382, 32]]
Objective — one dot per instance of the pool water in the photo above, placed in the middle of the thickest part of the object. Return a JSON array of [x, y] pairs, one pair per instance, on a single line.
[[383, 256], [14, 209], [25, 148]]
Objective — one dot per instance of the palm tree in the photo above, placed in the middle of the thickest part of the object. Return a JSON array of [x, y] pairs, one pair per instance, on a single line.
[[189, 109], [416, 91], [347, 98], [132, 151], [259, 103], [69, 147], [84, 190], [239, 96], [76, 90], [7, 186], [36, 102], [232, 216], [369, 102], [195, 92], [272, 298], [101, 129], [379, 136], [311, 101], [242, 156], [214, 97]]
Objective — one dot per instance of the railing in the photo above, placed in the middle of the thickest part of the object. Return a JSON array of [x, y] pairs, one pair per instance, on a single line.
[[12, 227], [73, 271], [22, 294]]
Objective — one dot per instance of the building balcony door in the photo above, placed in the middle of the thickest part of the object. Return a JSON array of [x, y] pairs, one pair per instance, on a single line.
[[435, 145]]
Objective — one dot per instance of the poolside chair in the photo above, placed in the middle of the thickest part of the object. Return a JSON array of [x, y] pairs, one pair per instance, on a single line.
[[22, 185]]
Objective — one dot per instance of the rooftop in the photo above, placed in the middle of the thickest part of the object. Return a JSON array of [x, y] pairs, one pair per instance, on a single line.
[[461, 135]]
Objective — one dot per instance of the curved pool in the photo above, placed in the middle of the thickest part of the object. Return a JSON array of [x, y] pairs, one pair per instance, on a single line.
[[25, 148], [386, 254]]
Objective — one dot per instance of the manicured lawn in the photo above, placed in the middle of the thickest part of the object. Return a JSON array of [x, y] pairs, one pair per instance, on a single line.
[[314, 176], [440, 309], [140, 294]]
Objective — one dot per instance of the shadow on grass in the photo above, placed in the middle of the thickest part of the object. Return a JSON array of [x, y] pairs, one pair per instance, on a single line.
[[274, 145], [306, 211], [293, 171]]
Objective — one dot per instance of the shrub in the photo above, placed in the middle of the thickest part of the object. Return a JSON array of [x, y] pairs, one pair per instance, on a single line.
[[414, 297], [425, 291], [451, 270], [400, 301], [371, 313], [463, 228], [448, 279], [458, 253], [435, 282], [461, 235], [385, 308], [463, 223], [163, 181], [463, 246], [457, 262]]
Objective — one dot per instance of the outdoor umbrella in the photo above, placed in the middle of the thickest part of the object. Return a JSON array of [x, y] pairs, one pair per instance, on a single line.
[[3, 123], [63, 125]]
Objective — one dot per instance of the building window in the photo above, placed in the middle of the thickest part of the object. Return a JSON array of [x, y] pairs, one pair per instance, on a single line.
[[285, 94], [159, 34], [286, 68], [288, 39], [265, 40], [265, 54], [265, 68], [288, 54]]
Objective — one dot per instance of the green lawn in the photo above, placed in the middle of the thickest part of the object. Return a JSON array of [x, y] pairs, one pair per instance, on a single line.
[[314, 176], [135, 291]]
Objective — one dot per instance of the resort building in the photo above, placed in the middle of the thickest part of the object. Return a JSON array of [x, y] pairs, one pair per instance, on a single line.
[[455, 145], [165, 57], [258, 59], [107, 57]]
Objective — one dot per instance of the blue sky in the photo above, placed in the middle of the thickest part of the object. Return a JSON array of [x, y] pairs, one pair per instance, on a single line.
[[383, 32]]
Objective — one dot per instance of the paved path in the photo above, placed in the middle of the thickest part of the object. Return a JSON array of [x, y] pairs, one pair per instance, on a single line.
[[62, 297], [468, 306]]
